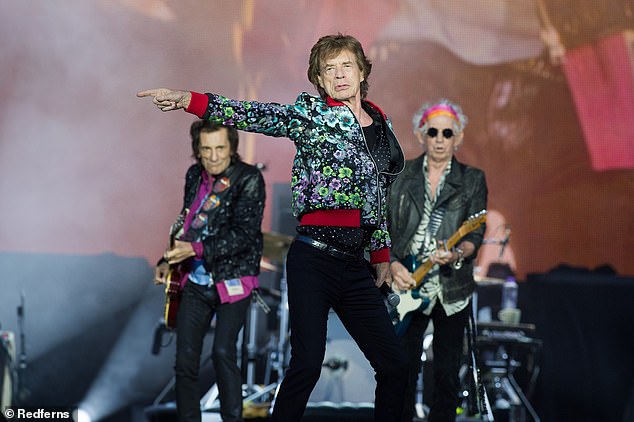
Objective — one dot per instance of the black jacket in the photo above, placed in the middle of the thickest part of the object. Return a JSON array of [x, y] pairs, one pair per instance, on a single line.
[[233, 247], [464, 192]]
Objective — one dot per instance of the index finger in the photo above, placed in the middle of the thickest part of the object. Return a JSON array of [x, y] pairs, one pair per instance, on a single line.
[[149, 92]]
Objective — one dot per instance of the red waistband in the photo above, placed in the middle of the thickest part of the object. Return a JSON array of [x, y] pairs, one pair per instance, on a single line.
[[338, 218]]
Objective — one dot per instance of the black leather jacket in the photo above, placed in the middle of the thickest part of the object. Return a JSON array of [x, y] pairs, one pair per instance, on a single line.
[[233, 247], [464, 192]]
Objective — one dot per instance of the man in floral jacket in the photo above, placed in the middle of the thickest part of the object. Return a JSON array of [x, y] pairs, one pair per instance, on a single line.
[[346, 156]]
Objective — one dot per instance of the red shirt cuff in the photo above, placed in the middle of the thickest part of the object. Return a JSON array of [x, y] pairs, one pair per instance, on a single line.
[[339, 218], [198, 104], [382, 255], [198, 248]]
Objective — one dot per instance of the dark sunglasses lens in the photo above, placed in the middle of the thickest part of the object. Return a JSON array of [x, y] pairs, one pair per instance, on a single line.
[[432, 132], [447, 133]]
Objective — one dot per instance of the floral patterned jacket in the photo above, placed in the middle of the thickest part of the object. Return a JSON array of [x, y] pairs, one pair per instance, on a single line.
[[332, 168]]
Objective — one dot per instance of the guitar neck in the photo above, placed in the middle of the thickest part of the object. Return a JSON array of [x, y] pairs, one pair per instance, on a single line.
[[176, 226], [172, 240], [424, 268], [420, 272]]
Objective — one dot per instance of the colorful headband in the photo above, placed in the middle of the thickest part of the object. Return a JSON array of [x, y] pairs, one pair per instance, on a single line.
[[438, 110]]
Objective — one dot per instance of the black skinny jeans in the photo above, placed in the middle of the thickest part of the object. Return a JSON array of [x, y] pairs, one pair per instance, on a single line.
[[316, 283], [197, 308], [447, 348]]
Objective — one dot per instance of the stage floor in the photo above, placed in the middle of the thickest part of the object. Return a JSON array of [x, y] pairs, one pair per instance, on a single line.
[[314, 413]]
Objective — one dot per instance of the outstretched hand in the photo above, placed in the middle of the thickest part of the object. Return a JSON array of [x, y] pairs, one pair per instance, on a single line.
[[167, 99]]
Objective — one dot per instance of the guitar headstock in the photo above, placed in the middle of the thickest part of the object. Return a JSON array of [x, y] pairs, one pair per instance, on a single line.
[[475, 221]]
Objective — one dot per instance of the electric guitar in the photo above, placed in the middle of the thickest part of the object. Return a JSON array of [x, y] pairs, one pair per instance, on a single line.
[[412, 300], [175, 274]]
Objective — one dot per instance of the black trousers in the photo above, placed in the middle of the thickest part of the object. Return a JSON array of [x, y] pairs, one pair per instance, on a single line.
[[316, 283], [197, 308], [447, 348]]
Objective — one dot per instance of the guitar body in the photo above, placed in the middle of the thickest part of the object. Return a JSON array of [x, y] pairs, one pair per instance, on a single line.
[[410, 263], [409, 300], [412, 300], [175, 275], [173, 291]]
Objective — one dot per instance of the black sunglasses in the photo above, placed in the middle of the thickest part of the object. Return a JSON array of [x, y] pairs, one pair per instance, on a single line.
[[432, 132]]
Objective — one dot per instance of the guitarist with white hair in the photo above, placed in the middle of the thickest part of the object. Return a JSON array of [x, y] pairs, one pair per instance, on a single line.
[[436, 213]]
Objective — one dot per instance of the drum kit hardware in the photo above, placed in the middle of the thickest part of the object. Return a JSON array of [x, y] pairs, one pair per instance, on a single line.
[[259, 398], [275, 246]]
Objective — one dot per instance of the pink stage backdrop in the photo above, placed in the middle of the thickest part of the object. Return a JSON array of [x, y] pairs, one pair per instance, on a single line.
[[87, 168], [601, 79]]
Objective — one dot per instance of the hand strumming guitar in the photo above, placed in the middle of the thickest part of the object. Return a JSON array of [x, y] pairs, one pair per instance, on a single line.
[[401, 277], [160, 272]]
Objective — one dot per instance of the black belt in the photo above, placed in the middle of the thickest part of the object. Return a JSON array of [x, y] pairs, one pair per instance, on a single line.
[[330, 250]]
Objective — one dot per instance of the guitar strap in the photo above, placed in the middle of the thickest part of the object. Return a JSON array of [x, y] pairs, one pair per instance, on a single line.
[[435, 219], [219, 193]]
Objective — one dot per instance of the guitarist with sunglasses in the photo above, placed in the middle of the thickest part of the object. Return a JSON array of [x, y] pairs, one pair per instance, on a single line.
[[428, 204], [215, 260]]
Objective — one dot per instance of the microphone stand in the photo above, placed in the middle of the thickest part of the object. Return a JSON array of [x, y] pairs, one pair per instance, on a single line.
[[23, 392], [503, 242]]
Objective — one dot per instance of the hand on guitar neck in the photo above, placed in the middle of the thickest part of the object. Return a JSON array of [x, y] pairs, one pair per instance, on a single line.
[[179, 252]]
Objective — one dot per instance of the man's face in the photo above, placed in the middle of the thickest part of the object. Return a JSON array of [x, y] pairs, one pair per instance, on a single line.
[[440, 148], [214, 151], [341, 77]]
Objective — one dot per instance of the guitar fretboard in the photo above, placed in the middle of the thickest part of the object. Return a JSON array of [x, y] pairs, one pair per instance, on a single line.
[[468, 226]]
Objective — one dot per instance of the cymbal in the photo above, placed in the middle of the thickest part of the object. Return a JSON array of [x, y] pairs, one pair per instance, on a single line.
[[276, 245]]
